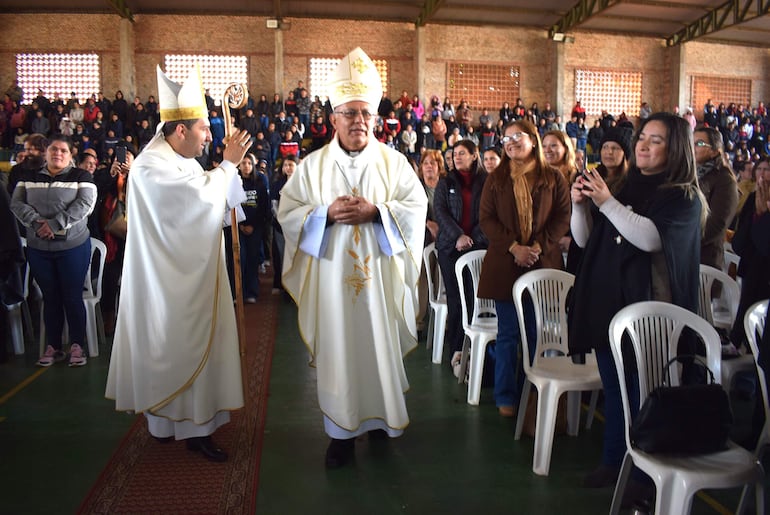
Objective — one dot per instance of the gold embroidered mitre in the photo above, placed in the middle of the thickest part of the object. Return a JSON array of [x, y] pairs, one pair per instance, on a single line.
[[355, 79], [181, 102]]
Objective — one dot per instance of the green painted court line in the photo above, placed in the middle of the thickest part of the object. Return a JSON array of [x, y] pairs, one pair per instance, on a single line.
[[16, 389]]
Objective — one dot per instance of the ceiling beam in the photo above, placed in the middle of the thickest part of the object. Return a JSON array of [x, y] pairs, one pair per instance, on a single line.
[[430, 8], [122, 9], [579, 13], [726, 15]]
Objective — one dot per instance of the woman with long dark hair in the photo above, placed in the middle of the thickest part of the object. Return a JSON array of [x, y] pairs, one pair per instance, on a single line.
[[456, 208], [643, 243]]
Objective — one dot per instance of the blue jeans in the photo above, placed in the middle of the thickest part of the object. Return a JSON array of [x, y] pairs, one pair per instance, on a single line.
[[509, 373], [614, 424], [61, 275]]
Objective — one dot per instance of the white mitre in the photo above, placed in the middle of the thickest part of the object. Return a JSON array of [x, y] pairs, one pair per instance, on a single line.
[[355, 79], [181, 102]]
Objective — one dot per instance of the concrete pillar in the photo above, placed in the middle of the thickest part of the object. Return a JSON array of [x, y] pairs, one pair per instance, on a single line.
[[679, 86], [419, 62], [279, 79], [557, 91], [127, 63]]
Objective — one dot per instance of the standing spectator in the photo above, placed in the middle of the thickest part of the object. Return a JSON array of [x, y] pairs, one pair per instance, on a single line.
[[418, 109], [58, 244], [256, 208], [525, 210], [151, 108], [303, 107], [31, 158], [752, 243], [409, 143], [40, 124], [438, 129], [104, 104], [263, 111], [318, 133], [276, 106], [456, 207], [288, 167], [571, 128], [290, 105], [505, 114], [339, 267], [717, 183], [548, 114], [643, 243], [120, 106], [578, 112], [424, 134], [595, 135], [113, 187]]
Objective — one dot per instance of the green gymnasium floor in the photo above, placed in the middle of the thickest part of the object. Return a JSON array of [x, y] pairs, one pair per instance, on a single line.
[[57, 432]]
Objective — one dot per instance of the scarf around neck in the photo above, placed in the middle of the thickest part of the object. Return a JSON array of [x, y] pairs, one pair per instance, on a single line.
[[523, 197]]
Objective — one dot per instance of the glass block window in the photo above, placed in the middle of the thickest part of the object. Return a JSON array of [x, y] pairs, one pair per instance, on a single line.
[[483, 86], [217, 71], [718, 89], [321, 67], [612, 91], [58, 73]]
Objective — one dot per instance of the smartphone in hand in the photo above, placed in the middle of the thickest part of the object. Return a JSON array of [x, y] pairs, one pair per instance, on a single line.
[[120, 153]]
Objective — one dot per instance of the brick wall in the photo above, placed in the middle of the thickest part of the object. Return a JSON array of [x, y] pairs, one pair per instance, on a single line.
[[531, 50]]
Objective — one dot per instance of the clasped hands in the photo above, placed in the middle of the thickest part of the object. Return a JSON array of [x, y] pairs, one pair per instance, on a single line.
[[526, 255], [351, 210]]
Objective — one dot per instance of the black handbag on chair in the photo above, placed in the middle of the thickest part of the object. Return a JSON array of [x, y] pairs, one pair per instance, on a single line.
[[686, 420]]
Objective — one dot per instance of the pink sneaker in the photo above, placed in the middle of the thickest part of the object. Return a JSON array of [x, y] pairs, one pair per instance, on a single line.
[[47, 359], [77, 358]]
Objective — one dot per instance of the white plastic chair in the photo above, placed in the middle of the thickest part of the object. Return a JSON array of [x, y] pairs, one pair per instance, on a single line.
[[552, 372], [754, 324], [92, 294], [731, 258], [653, 329], [480, 329], [19, 318], [720, 312], [437, 300]]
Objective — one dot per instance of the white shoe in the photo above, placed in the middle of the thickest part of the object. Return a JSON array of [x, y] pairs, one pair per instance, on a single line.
[[455, 363]]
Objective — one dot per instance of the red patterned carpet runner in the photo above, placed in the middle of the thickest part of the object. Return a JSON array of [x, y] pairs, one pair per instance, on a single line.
[[145, 476]]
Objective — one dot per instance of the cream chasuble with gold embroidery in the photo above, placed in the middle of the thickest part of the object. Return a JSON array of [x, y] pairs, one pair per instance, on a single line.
[[356, 286]]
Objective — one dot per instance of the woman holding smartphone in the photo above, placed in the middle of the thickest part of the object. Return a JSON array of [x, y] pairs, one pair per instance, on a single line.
[[643, 243]]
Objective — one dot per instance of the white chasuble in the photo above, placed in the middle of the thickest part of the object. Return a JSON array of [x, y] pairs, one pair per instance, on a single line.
[[175, 353], [355, 286]]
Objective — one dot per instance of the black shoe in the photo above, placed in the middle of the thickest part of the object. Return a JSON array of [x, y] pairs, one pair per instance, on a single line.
[[339, 453], [378, 434], [206, 446], [605, 475], [164, 439]]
